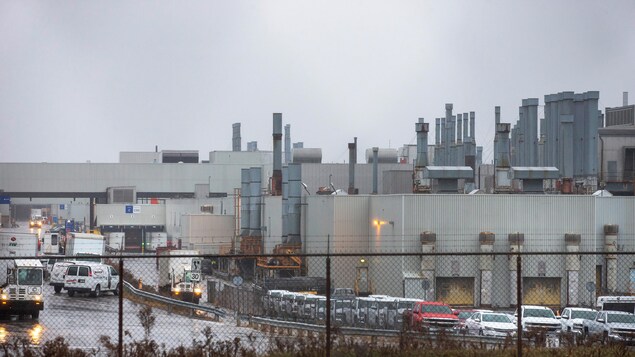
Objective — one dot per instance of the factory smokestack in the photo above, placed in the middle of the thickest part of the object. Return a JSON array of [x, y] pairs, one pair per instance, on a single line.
[[287, 143], [375, 169], [276, 180], [352, 160], [625, 98], [236, 143]]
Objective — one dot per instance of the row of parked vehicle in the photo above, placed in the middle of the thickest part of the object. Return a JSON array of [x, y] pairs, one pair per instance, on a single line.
[[394, 313]]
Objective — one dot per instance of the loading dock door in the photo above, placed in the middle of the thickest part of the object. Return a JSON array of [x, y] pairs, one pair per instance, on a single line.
[[541, 291], [456, 291], [133, 239]]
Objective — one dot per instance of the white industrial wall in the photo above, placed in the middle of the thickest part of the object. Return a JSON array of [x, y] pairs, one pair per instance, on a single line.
[[90, 177], [457, 221], [207, 233], [176, 207], [115, 214]]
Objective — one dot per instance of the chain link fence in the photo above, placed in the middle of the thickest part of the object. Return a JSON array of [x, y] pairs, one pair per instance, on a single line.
[[259, 304]]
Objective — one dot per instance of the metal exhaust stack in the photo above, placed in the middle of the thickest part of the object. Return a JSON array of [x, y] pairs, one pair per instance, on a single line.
[[375, 169], [352, 160], [285, 204], [287, 143], [421, 184], [236, 143], [276, 180]]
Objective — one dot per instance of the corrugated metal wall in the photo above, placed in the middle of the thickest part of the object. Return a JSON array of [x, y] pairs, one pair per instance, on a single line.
[[207, 233]]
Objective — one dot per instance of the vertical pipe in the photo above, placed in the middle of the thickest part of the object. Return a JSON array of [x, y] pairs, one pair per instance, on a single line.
[[459, 128], [244, 202], [276, 184], [121, 292], [285, 204], [448, 142], [375, 169], [437, 142], [352, 160], [295, 194], [255, 201], [625, 99], [328, 304], [287, 143], [610, 248], [519, 304], [591, 133], [444, 140], [473, 127]]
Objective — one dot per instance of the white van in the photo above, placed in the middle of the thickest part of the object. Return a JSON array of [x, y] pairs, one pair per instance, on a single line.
[[57, 275], [93, 278]]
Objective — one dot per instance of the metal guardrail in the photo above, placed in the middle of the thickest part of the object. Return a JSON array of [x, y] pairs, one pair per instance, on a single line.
[[174, 302]]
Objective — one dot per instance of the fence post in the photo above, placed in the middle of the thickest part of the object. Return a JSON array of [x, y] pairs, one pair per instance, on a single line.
[[519, 304], [328, 305], [120, 345]]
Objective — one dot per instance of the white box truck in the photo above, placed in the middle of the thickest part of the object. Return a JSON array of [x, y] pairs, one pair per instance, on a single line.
[[180, 275], [156, 240], [22, 279], [84, 245], [116, 241]]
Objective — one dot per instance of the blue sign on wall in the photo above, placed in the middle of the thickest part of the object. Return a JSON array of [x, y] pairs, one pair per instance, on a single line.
[[62, 206], [128, 208], [5, 200], [69, 225]]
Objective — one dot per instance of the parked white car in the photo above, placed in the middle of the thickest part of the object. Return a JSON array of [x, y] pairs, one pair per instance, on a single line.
[[490, 324], [572, 318], [93, 278]]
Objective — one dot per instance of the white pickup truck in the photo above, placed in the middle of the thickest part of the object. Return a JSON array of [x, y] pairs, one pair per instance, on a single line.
[[611, 326], [572, 318]]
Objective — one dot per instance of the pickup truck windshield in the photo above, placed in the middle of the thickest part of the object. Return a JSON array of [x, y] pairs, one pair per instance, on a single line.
[[587, 315], [539, 313], [620, 318]]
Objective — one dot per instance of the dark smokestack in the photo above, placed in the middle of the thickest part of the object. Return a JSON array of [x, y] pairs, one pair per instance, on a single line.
[[352, 160], [375, 169], [236, 143], [276, 180]]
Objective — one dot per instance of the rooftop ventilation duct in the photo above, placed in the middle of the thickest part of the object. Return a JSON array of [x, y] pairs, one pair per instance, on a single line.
[[421, 129], [306, 155], [384, 156]]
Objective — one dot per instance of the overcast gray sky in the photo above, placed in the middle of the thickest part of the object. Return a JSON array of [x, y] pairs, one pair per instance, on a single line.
[[84, 80]]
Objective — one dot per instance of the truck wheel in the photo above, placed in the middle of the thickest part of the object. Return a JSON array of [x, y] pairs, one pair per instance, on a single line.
[[35, 314], [57, 289], [97, 292], [116, 291], [71, 293], [195, 300]]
